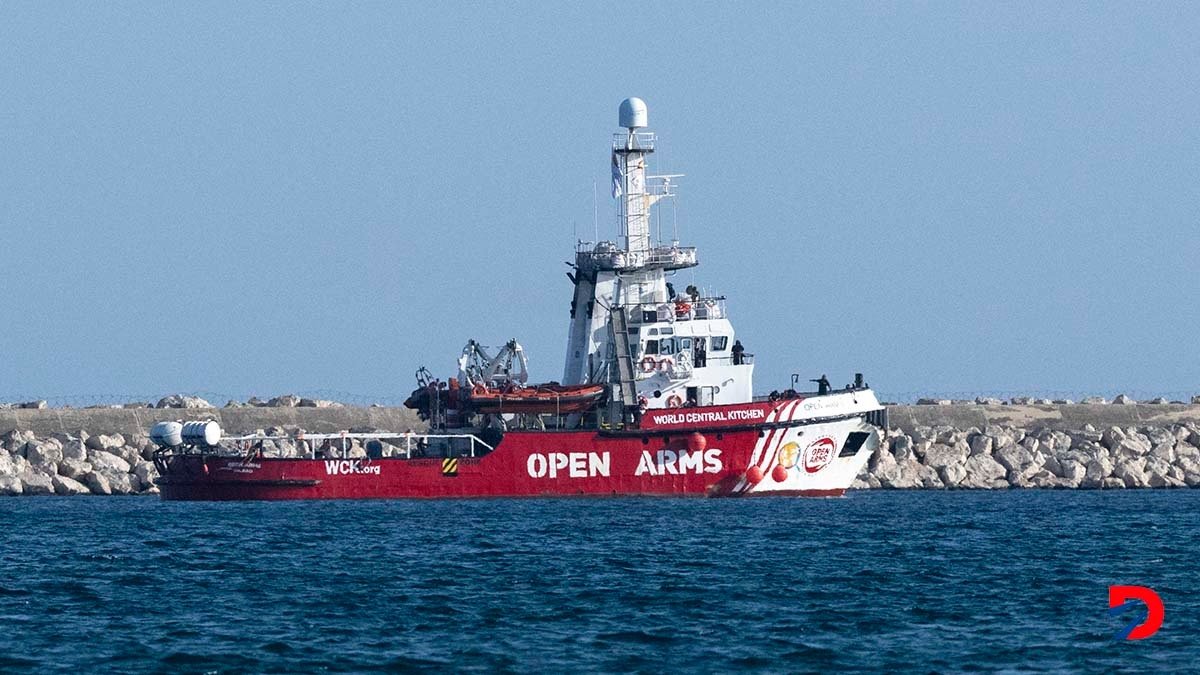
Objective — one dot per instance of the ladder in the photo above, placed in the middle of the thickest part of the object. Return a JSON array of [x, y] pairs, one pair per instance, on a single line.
[[624, 359]]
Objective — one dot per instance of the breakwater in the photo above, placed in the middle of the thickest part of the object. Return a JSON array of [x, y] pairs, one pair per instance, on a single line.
[[1092, 446]]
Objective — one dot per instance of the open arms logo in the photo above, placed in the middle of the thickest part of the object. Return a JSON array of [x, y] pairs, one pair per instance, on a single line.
[[1129, 601]]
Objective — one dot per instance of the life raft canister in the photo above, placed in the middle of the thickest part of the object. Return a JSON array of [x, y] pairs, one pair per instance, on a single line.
[[682, 308]]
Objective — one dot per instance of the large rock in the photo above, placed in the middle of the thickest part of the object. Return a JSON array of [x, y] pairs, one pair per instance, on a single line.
[[951, 475], [10, 486], [108, 462], [1073, 472], [15, 441], [1131, 473], [131, 455], [46, 453], [982, 472], [938, 455], [1098, 469], [36, 483], [75, 469], [74, 449], [108, 442], [1122, 399], [97, 483], [1015, 459], [122, 483], [1042, 479], [1158, 435], [69, 487], [981, 444], [182, 401], [285, 401], [145, 474], [318, 403]]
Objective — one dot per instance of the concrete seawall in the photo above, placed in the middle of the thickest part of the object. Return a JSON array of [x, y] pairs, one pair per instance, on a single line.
[[133, 422], [1060, 417]]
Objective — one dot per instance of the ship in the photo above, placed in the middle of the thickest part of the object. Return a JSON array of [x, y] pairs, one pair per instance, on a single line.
[[656, 399]]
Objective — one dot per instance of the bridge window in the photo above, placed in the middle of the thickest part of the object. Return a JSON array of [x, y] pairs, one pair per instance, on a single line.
[[720, 342]]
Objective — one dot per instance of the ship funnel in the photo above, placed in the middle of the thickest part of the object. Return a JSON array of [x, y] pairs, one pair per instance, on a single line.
[[633, 113]]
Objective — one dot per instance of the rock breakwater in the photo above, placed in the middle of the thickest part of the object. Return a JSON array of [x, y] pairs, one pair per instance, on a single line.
[[1002, 457], [66, 465]]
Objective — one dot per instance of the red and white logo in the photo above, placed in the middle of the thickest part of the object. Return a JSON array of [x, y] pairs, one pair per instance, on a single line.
[[819, 454]]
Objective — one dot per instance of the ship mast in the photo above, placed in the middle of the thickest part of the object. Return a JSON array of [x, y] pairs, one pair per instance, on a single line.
[[630, 159]]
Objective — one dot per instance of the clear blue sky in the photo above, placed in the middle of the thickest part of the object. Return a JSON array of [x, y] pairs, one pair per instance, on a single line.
[[267, 197]]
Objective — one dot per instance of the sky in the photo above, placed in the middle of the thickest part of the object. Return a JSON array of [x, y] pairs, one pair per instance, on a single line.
[[258, 198]]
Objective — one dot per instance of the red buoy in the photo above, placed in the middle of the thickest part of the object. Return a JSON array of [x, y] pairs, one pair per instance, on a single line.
[[754, 475], [779, 473], [697, 441]]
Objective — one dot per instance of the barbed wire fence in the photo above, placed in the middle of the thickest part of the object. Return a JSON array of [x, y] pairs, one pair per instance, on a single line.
[[218, 399], [221, 399]]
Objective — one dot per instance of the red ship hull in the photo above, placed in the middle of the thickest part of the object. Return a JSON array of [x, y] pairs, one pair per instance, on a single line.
[[675, 458]]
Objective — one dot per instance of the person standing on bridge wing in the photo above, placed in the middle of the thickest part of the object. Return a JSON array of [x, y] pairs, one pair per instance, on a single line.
[[739, 353]]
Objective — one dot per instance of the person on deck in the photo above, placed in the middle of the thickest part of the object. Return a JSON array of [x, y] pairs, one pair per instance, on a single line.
[[701, 354], [822, 384], [739, 353]]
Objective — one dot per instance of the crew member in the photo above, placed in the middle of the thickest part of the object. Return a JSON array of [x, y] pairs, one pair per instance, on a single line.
[[739, 353], [701, 355], [822, 384]]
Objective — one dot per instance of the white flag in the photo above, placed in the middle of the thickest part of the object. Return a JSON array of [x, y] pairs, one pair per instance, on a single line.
[[616, 177]]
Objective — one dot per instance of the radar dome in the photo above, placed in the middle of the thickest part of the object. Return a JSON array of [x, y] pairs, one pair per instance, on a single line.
[[633, 113]]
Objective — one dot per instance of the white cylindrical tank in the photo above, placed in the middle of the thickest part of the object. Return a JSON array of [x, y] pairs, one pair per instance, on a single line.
[[633, 113], [201, 433], [167, 434]]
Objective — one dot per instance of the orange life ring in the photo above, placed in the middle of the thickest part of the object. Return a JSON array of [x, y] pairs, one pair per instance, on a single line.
[[479, 390], [673, 401], [666, 364], [649, 364]]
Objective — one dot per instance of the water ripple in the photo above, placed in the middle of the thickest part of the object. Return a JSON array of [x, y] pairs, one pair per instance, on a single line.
[[1015, 580]]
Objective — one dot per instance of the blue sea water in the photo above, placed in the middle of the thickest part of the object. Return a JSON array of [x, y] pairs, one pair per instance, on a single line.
[[903, 581]]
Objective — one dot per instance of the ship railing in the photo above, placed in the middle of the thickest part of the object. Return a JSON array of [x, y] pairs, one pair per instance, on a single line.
[[680, 309], [672, 257], [642, 140], [344, 440]]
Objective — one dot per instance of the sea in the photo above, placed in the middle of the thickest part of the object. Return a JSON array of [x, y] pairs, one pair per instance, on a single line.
[[1010, 581]]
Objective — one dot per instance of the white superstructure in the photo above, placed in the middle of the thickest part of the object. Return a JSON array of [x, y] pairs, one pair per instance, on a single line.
[[661, 342]]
